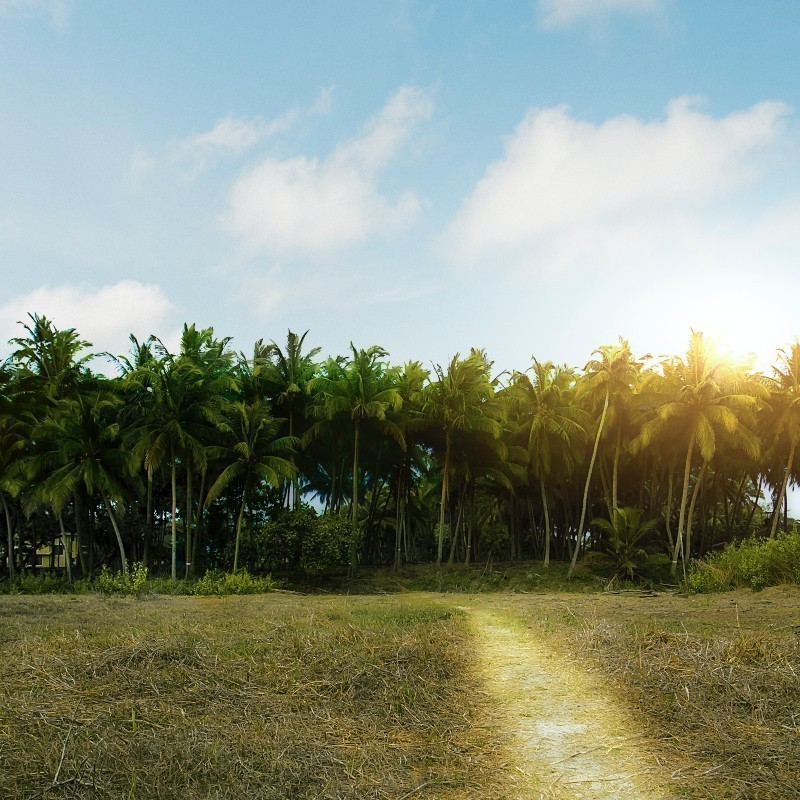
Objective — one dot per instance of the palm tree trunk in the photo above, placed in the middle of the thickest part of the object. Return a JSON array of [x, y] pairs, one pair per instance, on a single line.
[[188, 523], [579, 538], [615, 473], [198, 526], [668, 510], [66, 543], [117, 533], [754, 506], [443, 501], [174, 514], [682, 513], [456, 534], [546, 562], [239, 531], [10, 539], [398, 523], [354, 547], [782, 493], [148, 531], [695, 492]]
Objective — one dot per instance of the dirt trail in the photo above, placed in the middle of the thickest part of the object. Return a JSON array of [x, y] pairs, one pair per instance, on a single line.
[[571, 741]]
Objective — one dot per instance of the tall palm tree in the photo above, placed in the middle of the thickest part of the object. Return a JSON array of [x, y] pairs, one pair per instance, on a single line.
[[610, 375], [82, 447], [286, 375], [363, 394], [703, 397], [254, 455], [785, 408], [187, 396], [459, 400], [552, 424]]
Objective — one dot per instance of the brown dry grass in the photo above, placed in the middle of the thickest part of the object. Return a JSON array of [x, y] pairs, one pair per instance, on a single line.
[[714, 680], [257, 697]]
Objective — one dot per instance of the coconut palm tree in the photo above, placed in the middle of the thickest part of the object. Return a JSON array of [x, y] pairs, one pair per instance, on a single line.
[[80, 445], [703, 397], [785, 417], [254, 455], [550, 422], [285, 375], [609, 376], [459, 400]]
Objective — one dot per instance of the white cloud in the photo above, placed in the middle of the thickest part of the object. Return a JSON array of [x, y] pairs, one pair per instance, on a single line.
[[105, 315], [232, 136], [57, 10], [313, 205], [558, 13], [569, 192]]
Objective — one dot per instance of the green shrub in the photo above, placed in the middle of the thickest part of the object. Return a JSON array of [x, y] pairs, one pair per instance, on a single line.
[[135, 582], [303, 540], [754, 563], [216, 582]]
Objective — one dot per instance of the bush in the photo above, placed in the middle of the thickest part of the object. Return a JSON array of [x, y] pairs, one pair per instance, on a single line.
[[216, 582], [135, 582], [754, 563], [302, 540]]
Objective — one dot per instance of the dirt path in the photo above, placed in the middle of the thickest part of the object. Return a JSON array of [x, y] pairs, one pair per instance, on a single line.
[[571, 741]]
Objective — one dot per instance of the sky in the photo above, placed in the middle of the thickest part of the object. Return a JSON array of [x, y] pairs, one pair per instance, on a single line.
[[532, 177]]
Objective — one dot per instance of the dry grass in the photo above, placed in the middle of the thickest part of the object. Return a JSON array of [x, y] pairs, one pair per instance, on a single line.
[[714, 680], [256, 697]]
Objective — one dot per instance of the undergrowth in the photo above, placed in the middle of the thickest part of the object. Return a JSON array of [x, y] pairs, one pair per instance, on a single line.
[[753, 563]]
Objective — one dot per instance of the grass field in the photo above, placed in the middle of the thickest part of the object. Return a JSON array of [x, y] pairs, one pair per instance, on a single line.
[[291, 696]]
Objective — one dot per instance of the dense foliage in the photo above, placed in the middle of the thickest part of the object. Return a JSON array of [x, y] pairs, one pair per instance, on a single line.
[[281, 460]]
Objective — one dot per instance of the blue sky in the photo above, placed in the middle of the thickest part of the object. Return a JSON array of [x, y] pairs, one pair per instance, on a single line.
[[531, 177]]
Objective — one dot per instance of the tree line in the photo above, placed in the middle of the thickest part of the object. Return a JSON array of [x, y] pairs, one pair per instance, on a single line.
[[207, 458]]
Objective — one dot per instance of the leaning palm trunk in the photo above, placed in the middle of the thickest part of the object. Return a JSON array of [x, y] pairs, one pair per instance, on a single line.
[[443, 501], [682, 514], [586, 488], [782, 493], [114, 524], [10, 540], [239, 532], [690, 514]]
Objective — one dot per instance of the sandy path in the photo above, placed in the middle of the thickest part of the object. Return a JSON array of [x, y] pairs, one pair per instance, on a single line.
[[571, 741]]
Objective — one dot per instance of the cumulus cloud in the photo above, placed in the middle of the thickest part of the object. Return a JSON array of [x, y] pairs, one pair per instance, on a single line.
[[104, 315], [559, 13], [568, 192], [313, 205]]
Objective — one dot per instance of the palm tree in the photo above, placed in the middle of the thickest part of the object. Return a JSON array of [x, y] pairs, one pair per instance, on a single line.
[[255, 454], [626, 530], [609, 376], [187, 397], [459, 400], [551, 424], [703, 396], [362, 395], [81, 447], [785, 415], [286, 375]]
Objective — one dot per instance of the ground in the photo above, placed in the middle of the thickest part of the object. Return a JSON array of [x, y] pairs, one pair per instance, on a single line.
[[638, 696]]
